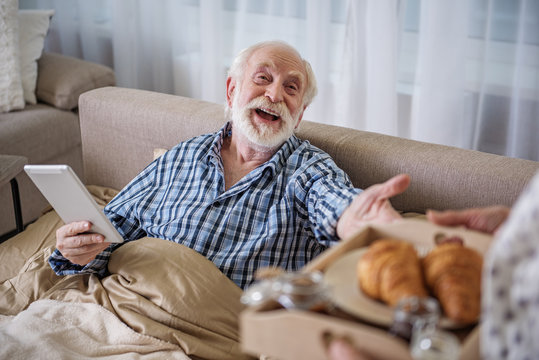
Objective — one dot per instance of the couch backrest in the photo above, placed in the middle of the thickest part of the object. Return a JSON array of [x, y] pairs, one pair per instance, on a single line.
[[121, 128]]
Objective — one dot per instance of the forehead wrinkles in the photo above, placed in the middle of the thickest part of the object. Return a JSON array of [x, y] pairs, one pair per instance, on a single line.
[[290, 65]]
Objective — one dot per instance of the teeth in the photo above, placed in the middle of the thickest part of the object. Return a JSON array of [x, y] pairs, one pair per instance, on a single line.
[[270, 112]]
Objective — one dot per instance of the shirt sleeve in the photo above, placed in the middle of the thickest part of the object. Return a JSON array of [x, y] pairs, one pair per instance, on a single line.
[[122, 211], [510, 295], [61, 266], [125, 211], [330, 191]]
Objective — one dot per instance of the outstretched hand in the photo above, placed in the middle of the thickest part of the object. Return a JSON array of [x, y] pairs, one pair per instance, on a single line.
[[487, 219], [372, 205]]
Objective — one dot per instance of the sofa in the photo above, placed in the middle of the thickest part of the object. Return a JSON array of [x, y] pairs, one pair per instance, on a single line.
[[47, 132], [121, 128], [151, 283]]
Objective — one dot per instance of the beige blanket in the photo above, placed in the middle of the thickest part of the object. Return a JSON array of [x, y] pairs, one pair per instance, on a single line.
[[157, 288], [51, 329]]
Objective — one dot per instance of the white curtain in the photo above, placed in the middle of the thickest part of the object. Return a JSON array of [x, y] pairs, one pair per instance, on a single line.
[[463, 73]]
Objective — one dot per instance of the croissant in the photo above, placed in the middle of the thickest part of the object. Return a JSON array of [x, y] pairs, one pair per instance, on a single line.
[[453, 274], [391, 270]]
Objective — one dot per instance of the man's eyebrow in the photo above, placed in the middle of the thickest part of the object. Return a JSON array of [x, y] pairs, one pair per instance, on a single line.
[[264, 66], [294, 75], [297, 76]]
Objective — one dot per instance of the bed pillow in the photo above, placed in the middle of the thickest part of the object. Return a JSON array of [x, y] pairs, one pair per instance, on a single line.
[[158, 152], [11, 93], [33, 27]]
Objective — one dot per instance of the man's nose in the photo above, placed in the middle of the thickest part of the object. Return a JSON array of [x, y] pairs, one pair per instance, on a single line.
[[274, 92]]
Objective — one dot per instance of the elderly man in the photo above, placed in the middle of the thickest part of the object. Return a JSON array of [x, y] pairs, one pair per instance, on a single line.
[[248, 196]]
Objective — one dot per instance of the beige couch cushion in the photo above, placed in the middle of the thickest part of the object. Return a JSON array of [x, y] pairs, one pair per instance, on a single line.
[[39, 132], [62, 79]]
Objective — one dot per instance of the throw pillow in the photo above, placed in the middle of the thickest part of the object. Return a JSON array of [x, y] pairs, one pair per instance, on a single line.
[[33, 26], [62, 79], [11, 93]]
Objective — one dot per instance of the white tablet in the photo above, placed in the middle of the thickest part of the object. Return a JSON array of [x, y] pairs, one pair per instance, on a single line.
[[70, 198]]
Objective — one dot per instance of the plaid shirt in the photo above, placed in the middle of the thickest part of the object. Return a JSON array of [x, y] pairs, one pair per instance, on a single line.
[[283, 213]]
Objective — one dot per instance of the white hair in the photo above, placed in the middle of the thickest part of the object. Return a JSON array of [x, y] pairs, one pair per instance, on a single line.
[[237, 69]]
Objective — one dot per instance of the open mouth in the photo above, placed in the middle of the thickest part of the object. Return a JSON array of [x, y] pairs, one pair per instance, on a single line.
[[267, 114]]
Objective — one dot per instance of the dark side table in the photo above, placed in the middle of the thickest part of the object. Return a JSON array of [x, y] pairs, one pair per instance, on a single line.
[[11, 166]]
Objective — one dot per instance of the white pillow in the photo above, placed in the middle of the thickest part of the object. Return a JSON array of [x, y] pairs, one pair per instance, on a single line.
[[33, 27], [11, 93], [158, 152]]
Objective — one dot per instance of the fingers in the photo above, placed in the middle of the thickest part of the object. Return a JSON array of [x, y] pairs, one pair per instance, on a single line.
[[487, 219], [74, 228], [83, 255], [449, 217], [79, 241], [392, 187], [380, 192], [396, 185], [372, 205], [340, 349], [78, 246]]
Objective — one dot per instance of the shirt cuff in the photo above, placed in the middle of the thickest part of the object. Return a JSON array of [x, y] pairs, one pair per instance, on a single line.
[[61, 266], [333, 206]]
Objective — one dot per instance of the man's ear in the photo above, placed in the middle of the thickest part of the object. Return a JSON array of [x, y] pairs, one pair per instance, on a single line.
[[230, 87], [300, 117]]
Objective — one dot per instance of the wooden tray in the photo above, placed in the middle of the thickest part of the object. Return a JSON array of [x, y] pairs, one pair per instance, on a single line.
[[284, 334]]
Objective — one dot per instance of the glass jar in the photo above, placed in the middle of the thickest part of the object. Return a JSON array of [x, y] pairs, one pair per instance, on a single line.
[[414, 313], [305, 291], [416, 319], [297, 290], [434, 344]]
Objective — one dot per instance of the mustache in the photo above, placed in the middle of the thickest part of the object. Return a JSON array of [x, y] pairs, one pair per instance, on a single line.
[[263, 102]]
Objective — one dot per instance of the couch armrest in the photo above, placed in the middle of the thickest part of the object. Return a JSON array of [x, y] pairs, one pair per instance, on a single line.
[[61, 79]]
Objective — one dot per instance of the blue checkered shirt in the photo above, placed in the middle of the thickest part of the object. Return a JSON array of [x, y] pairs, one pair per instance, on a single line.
[[283, 213]]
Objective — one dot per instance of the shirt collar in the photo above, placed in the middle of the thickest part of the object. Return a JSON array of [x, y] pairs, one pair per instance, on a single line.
[[274, 164], [278, 160], [217, 143]]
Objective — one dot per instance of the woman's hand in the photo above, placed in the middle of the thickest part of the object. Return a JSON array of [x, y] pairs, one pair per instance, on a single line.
[[340, 349], [487, 219]]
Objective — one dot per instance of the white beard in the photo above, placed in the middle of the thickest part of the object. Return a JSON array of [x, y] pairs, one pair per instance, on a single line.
[[260, 134]]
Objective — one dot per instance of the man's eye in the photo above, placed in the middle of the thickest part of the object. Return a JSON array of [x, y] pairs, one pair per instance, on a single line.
[[293, 88], [263, 77]]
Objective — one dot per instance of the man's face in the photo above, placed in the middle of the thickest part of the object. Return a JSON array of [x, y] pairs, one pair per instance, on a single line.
[[267, 103]]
